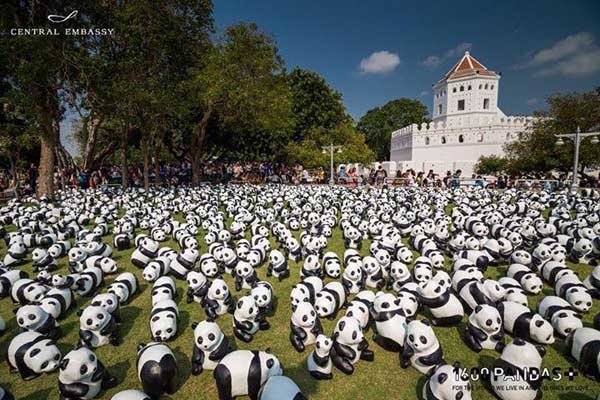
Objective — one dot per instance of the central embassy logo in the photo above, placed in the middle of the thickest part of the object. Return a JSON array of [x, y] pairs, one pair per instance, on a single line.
[[59, 19]]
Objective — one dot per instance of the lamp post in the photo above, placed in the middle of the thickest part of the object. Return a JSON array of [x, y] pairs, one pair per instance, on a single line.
[[576, 138], [331, 149]]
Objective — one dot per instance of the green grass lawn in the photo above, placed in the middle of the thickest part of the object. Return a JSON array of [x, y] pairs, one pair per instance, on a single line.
[[381, 379]]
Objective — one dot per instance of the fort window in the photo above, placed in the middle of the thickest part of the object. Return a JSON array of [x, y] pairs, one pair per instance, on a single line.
[[486, 104], [462, 88], [427, 140], [461, 139], [461, 105], [443, 139], [439, 109]]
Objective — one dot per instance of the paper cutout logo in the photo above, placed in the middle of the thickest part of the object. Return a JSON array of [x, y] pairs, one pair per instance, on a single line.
[[59, 19]]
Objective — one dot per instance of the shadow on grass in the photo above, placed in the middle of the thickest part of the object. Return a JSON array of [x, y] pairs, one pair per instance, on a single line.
[[129, 315], [41, 394], [299, 374], [574, 395], [419, 387], [68, 327], [184, 366], [184, 321], [119, 370]]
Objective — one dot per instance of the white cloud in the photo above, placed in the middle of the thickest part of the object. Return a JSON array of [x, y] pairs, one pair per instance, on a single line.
[[570, 45], [585, 63], [434, 60], [380, 62], [532, 101], [424, 93]]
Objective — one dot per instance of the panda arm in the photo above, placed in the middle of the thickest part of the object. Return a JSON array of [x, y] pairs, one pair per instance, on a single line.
[[378, 275], [347, 284], [344, 351], [478, 333], [73, 390], [243, 325], [298, 332], [281, 268], [238, 283], [100, 372], [433, 358], [499, 335], [318, 328], [221, 351], [197, 360], [86, 336], [407, 352], [363, 345], [109, 328]]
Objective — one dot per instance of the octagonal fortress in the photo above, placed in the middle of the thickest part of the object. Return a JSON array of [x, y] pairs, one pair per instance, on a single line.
[[466, 124]]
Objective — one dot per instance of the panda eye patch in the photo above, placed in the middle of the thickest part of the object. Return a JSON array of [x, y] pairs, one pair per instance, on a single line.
[[83, 370], [100, 316], [423, 339]]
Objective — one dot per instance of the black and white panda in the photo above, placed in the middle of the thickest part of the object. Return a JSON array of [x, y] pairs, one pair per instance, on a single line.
[[210, 346], [444, 306], [163, 320], [122, 241], [390, 322], [592, 283], [8, 278], [90, 279], [305, 326], [421, 349], [124, 287], [245, 276], [43, 261], [25, 291], [332, 265], [319, 361], [245, 319], [16, 254], [330, 299], [570, 288], [57, 301], [77, 258], [306, 291], [485, 291], [349, 345], [156, 268], [163, 289], [106, 264], [484, 329], [398, 276], [278, 265], [110, 302], [244, 372], [157, 369], [263, 295], [209, 267], [521, 322], [583, 345], [529, 281], [145, 251], [218, 300], [31, 354], [5, 394], [183, 263], [131, 394], [280, 388], [97, 248], [353, 277], [82, 376], [34, 318], [519, 355], [558, 311], [361, 308], [197, 287], [97, 327], [373, 272], [311, 267], [447, 384], [513, 291]]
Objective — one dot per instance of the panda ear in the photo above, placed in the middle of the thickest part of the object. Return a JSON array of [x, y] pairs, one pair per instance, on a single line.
[[16, 310], [442, 377], [478, 308], [426, 321], [539, 323], [194, 325], [63, 363], [576, 315], [79, 312], [140, 346], [268, 350]]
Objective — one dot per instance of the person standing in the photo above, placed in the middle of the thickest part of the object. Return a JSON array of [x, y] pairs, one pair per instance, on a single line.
[[33, 175]]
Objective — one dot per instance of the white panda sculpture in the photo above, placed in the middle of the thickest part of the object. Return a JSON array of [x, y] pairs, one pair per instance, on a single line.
[[82, 375], [592, 282], [319, 361], [156, 268], [157, 369], [280, 388], [244, 372], [305, 326], [131, 394], [278, 265], [570, 288], [558, 311], [521, 322], [444, 306], [421, 349], [332, 265], [245, 319], [353, 278], [330, 299], [8, 278], [34, 318], [163, 289], [124, 287], [31, 354], [145, 251], [519, 355], [163, 321], [218, 300], [390, 322], [263, 295], [349, 345], [97, 327], [306, 291], [197, 287], [90, 279], [25, 291], [245, 276], [484, 329], [583, 345], [210, 346], [447, 384], [57, 301]]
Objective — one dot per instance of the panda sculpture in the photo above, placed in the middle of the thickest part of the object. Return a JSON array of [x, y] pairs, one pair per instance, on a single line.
[[110, 302], [332, 265], [570, 288], [528, 280], [592, 283], [5, 394], [43, 261], [210, 346], [349, 345], [353, 278], [97, 327], [484, 329], [57, 301], [145, 251], [34, 318], [218, 300], [509, 384], [311, 267], [82, 376], [32, 354], [8, 278], [444, 306], [278, 265], [558, 311], [361, 309], [485, 291], [197, 287], [513, 291], [373, 272], [26, 291], [157, 369], [89, 281], [521, 322], [183, 263], [280, 388], [245, 276], [390, 322], [244, 372], [131, 394], [583, 345], [263, 296], [163, 289], [330, 299], [124, 287], [305, 326], [398, 276], [319, 361], [306, 291], [421, 349], [245, 319], [446, 384], [163, 320]]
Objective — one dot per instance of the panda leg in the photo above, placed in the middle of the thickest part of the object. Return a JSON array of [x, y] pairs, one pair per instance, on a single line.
[[500, 346], [321, 375], [473, 343], [223, 379], [264, 324], [284, 274], [55, 333], [367, 355], [447, 321], [342, 364], [243, 336], [386, 344], [296, 342]]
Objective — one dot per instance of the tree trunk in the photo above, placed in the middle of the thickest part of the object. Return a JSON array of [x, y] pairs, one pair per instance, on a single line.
[[89, 154], [45, 185], [196, 148], [124, 161], [146, 152], [157, 181]]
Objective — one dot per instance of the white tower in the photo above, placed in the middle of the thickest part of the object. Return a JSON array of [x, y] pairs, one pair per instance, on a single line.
[[467, 94]]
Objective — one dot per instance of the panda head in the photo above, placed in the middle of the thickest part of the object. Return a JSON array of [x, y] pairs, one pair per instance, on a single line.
[[541, 330], [323, 345], [332, 265], [517, 296], [269, 365], [531, 283], [31, 317], [325, 304], [358, 310], [579, 299], [583, 247], [347, 331], [304, 315], [487, 318], [522, 354], [521, 257], [383, 257], [298, 294], [78, 365], [161, 293], [408, 303], [493, 290], [43, 356], [246, 308], [243, 269], [38, 254], [149, 245], [403, 254], [420, 335], [385, 302], [430, 289], [218, 290], [207, 335], [262, 294], [163, 325], [312, 263], [94, 318], [109, 301], [399, 271], [108, 265], [445, 381], [34, 292], [422, 273], [195, 279], [209, 268], [542, 251], [353, 271], [77, 254], [566, 321], [370, 265]]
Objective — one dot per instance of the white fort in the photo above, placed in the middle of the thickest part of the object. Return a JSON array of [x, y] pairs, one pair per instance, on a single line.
[[466, 123]]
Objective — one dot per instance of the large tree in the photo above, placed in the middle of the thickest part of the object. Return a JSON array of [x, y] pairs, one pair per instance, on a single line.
[[536, 150], [315, 103], [378, 124]]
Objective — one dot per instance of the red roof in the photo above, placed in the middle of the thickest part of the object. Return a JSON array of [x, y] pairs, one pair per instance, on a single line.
[[467, 66]]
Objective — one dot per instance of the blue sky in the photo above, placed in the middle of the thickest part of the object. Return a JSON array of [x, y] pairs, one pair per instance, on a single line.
[[540, 47]]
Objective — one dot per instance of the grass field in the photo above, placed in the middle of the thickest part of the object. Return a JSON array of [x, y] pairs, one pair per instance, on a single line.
[[381, 379]]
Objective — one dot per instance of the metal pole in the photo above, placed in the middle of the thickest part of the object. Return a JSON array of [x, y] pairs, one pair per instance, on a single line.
[[575, 184], [331, 180]]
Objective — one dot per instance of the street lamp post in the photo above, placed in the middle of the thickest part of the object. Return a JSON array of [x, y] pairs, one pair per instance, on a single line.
[[576, 138], [331, 149]]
